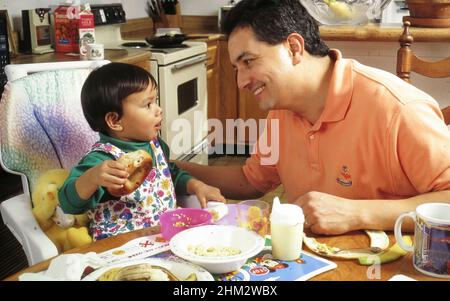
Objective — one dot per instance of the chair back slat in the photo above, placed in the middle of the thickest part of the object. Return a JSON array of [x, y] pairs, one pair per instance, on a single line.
[[408, 61]]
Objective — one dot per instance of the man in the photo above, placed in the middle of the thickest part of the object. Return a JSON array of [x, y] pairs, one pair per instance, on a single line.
[[357, 145]]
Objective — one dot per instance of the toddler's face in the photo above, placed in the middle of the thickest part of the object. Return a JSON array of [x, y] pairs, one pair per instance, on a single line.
[[142, 117]]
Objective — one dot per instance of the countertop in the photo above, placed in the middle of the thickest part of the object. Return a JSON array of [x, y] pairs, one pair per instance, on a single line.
[[368, 33], [120, 55], [382, 33]]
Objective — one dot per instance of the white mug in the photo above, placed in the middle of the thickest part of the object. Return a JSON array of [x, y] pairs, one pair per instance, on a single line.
[[95, 52], [431, 238]]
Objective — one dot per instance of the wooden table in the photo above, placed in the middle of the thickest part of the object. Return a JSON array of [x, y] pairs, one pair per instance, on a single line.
[[346, 269]]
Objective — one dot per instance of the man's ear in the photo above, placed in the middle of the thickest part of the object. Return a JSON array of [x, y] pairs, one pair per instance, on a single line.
[[296, 45], [113, 121]]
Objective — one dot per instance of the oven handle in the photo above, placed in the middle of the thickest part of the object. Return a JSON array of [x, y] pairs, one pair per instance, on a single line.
[[196, 60]]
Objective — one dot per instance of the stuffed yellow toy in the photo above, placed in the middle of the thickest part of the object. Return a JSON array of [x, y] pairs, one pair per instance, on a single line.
[[66, 231]]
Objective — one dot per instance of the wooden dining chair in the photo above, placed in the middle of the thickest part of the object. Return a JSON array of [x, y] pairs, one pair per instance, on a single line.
[[408, 61]]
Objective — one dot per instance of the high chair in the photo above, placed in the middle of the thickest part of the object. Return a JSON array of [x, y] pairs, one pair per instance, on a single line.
[[408, 61], [42, 127]]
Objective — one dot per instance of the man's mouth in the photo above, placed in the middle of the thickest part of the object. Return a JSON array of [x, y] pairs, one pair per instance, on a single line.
[[258, 90]]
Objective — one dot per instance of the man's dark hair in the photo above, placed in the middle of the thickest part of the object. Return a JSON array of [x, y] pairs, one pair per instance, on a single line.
[[273, 20], [106, 87]]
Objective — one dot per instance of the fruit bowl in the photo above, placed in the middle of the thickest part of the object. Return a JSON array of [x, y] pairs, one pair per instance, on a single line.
[[344, 12]]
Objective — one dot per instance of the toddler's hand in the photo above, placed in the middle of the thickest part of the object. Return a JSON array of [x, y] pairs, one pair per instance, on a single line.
[[110, 174], [204, 192]]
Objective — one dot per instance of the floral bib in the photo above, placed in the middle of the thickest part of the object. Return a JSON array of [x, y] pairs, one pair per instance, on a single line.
[[142, 207]]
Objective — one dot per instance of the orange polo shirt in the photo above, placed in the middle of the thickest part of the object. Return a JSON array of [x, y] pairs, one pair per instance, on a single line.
[[378, 137]]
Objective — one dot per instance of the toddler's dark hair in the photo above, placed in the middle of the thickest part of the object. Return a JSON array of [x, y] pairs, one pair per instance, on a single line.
[[106, 87]]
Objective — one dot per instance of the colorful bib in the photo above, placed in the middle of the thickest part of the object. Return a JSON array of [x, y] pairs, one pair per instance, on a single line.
[[142, 207]]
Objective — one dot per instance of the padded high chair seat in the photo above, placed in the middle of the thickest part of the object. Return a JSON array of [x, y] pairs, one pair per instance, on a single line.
[[42, 127]]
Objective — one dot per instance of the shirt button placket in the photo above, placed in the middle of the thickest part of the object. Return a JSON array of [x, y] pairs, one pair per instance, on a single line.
[[313, 151]]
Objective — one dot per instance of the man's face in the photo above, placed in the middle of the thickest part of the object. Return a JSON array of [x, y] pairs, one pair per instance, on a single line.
[[262, 69]]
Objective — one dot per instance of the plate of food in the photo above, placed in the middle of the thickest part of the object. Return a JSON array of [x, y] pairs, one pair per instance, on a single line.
[[150, 269]]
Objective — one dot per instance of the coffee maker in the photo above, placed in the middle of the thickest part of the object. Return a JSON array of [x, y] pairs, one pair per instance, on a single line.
[[36, 31]]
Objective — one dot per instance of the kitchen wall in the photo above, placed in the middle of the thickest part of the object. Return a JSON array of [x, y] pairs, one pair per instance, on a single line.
[[133, 8], [383, 55]]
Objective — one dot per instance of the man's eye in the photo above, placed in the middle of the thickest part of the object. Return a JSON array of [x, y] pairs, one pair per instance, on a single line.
[[247, 61]]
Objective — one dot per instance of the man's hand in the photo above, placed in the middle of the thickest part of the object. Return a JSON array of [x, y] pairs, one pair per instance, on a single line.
[[328, 214], [204, 192]]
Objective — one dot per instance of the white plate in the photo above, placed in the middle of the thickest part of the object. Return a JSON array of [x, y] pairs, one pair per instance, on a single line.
[[180, 269]]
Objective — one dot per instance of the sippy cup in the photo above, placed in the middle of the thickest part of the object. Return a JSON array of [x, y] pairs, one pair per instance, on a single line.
[[286, 224]]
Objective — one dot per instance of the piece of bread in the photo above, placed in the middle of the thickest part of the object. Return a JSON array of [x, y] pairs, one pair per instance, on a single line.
[[138, 163]]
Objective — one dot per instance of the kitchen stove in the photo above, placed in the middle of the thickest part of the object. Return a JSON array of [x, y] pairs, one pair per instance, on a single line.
[[111, 38], [180, 72]]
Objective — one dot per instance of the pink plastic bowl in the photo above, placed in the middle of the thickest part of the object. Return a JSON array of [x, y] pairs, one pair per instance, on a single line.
[[177, 220]]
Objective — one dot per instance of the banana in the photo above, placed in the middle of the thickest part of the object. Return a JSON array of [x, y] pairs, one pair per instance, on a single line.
[[391, 254], [379, 240], [191, 277], [142, 272], [145, 272], [340, 9]]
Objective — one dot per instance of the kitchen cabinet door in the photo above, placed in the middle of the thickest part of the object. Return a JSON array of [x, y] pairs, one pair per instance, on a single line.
[[212, 77]]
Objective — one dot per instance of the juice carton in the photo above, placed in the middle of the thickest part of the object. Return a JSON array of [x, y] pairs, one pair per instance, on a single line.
[[72, 22], [86, 30]]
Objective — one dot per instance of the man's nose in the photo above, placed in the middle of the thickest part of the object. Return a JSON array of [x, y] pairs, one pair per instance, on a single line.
[[242, 79]]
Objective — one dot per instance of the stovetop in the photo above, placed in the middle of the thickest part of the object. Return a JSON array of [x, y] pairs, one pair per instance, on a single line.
[[165, 49], [110, 36]]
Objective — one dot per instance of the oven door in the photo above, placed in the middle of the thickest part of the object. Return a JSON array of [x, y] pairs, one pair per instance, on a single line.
[[183, 98]]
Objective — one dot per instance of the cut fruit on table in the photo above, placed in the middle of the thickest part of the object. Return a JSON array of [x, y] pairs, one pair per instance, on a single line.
[[379, 241], [391, 254]]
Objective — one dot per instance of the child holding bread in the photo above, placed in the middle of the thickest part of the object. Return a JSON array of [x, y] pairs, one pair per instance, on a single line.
[[125, 182]]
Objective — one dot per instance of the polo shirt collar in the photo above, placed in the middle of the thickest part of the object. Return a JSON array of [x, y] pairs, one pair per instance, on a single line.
[[340, 90]]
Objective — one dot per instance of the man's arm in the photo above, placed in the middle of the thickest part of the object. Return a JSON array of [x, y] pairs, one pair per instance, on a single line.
[[231, 180], [328, 214]]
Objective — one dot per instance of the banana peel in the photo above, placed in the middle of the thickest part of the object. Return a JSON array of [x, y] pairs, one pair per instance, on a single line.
[[341, 10], [391, 254], [379, 241]]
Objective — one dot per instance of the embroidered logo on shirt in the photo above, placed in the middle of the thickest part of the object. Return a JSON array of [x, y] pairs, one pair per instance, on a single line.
[[344, 178]]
